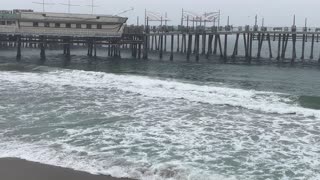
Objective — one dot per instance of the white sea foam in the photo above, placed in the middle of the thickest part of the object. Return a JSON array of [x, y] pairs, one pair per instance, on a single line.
[[158, 128], [268, 102], [39, 152]]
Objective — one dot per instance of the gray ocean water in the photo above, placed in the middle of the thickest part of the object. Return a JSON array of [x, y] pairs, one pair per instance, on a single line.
[[161, 120]]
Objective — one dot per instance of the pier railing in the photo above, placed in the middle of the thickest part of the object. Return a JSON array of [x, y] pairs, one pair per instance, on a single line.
[[215, 29], [57, 32]]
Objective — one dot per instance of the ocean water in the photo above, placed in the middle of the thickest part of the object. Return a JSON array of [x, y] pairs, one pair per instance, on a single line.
[[156, 120]]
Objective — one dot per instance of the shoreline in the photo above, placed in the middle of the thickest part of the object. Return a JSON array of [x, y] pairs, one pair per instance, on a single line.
[[18, 169]]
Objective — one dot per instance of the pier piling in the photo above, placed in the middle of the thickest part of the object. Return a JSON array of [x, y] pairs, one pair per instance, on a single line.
[[312, 47], [18, 48], [209, 46], [172, 41], [225, 54], [189, 47]]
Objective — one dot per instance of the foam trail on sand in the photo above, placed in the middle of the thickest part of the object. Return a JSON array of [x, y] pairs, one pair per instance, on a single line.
[[39, 152]]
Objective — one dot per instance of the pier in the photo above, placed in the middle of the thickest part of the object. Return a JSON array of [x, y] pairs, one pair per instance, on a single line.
[[216, 43], [193, 42]]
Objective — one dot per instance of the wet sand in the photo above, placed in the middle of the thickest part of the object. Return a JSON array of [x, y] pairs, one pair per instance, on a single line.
[[17, 169]]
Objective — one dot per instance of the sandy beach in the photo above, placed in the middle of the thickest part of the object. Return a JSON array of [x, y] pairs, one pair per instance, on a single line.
[[17, 169]]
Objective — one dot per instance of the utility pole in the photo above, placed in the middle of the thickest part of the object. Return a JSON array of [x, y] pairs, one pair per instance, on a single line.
[[69, 5], [166, 17], [219, 18], [145, 19], [92, 6], [205, 19], [228, 21], [182, 17], [137, 20], [305, 22], [256, 20], [43, 3]]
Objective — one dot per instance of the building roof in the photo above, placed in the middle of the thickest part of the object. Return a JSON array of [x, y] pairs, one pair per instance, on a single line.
[[8, 16], [63, 17]]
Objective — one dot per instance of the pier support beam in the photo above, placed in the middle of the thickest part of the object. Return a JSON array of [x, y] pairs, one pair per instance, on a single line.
[[260, 43], [279, 47], [178, 43], [220, 46], [195, 44], [152, 42], [269, 44], [209, 46], [189, 47], [184, 43], [94, 48], [319, 59], [42, 49], [294, 54], [68, 55], [284, 45], [90, 48], [109, 50], [139, 51], [259, 39], [183, 39], [245, 43], [250, 47], [161, 46], [156, 44], [312, 47], [18, 57], [145, 46], [172, 41], [303, 46], [215, 44], [235, 50], [225, 54], [165, 43], [204, 39], [197, 47]]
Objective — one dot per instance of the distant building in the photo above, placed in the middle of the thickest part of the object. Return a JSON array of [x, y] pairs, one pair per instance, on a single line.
[[27, 22]]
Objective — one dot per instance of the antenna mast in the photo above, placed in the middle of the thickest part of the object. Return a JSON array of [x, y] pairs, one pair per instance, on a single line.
[[70, 5]]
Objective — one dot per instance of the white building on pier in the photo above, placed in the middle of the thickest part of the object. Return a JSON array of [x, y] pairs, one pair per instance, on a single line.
[[27, 22]]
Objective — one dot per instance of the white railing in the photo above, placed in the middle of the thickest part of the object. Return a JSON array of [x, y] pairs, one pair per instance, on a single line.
[[59, 32], [8, 29]]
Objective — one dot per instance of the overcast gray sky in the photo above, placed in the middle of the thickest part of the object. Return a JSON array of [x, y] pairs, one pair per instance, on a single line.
[[241, 12]]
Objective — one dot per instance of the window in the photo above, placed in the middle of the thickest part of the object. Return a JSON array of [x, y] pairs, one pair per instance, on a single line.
[[99, 26], [35, 24], [88, 26], [57, 25], [11, 22], [68, 25], [78, 26], [46, 24]]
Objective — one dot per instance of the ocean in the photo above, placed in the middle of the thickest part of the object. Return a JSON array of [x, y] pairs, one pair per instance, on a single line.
[[156, 120]]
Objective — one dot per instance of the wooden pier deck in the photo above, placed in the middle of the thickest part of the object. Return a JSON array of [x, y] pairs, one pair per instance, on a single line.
[[193, 43]]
